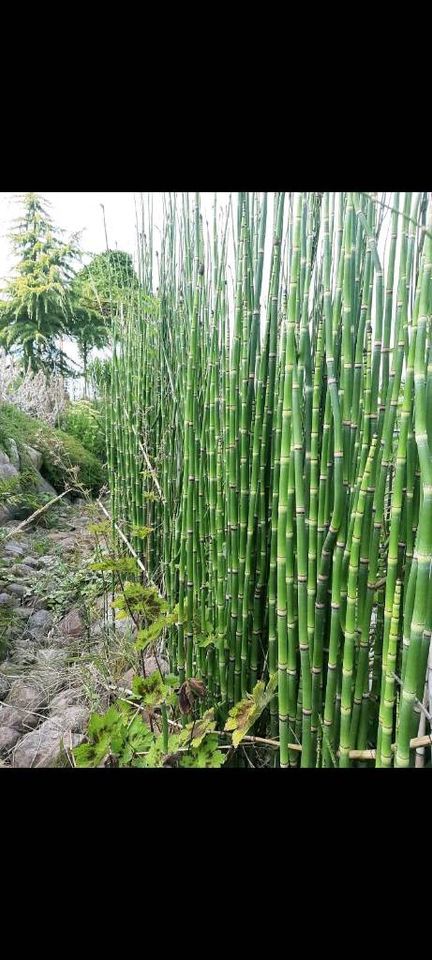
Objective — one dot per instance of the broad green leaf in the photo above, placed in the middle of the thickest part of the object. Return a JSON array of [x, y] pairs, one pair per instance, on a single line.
[[197, 731], [207, 754], [245, 713], [92, 754]]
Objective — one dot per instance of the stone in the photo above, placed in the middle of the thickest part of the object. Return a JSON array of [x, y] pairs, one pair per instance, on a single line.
[[23, 651], [125, 627], [13, 718], [35, 456], [22, 570], [40, 603], [32, 562], [42, 485], [8, 738], [73, 624], [26, 697], [6, 600], [125, 682], [41, 620], [46, 561], [7, 469], [45, 746], [67, 545], [10, 670], [151, 665], [97, 629], [5, 515], [23, 613], [63, 700], [17, 589], [51, 658], [5, 683], [14, 549], [13, 454]]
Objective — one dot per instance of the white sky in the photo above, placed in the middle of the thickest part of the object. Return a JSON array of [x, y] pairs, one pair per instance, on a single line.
[[75, 211], [78, 211]]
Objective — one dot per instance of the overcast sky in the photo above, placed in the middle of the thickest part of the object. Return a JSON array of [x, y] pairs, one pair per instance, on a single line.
[[78, 211], [75, 211]]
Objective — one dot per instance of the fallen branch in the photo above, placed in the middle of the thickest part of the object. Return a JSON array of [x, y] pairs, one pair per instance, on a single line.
[[129, 546], [37, 513]]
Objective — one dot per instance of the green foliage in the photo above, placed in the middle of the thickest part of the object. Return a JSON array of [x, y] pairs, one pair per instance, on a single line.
[[99, 373], [104, 283], [62, 453], [245, 713], [154, 690], [84, 421], [122, 737], [152, 633], [104, 528], [110, 565], [41, 546], [206, 755], [8, 620], [62, 586], [20, 491], [141, 532], [37, 309], [144, 601], [117, 733], [193, 733], [98, 290]]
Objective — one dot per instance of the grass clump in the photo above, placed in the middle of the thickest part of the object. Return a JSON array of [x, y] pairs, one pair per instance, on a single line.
[[62, 453]]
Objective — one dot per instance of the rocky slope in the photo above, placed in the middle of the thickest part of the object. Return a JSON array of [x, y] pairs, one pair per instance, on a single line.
[[62, 657]]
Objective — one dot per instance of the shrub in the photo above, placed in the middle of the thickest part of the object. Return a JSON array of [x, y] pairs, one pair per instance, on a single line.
[[61, 452], [84, 420]]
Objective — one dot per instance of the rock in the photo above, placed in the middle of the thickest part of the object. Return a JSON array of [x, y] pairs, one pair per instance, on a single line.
[[23, 651], [7, 470], [13, 549], [44, 746], [8, 738], [5, 683], [32, 562], [35, 456], [26, 697], [5, 515], [6, 600], [63, 700], [9, 669], [125, 627], [51, 658], [151, 665], [40, 603], [67, 545], [17, 589], [13, 454], [14, 719], [22, 570], [73, 625], [41, 620], [125, 681], [97, 629], [23, 613], [42, 485]]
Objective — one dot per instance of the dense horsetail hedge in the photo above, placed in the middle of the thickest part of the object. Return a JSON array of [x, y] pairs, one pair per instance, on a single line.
[[275, 433]]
